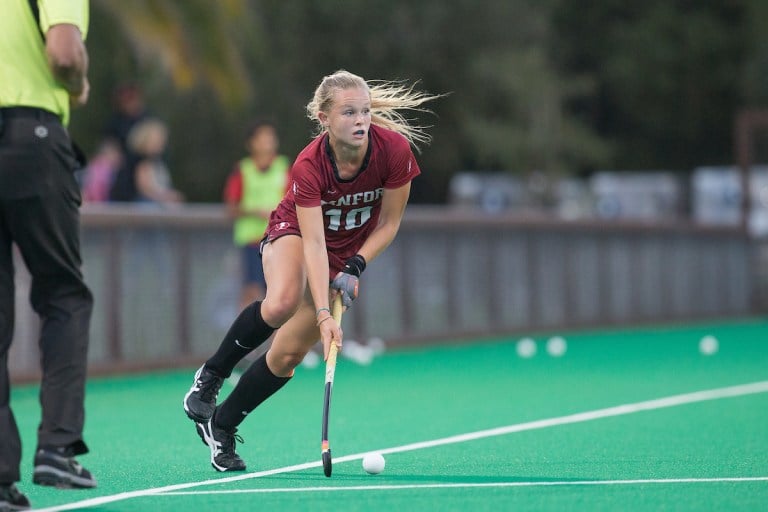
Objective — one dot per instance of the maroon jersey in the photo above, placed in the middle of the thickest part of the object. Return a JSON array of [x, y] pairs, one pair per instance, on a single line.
[[350, 207]]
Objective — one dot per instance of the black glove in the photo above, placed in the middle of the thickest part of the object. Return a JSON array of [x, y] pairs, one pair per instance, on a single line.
[[347, 281]]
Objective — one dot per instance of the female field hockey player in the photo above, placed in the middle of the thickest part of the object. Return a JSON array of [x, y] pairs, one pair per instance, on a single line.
[[347, 193]]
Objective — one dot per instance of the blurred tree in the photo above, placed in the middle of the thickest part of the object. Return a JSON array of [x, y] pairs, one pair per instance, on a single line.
[[754, 80], [550, 85], [667, 75], [188, 59], [524, 125], [190, 42]]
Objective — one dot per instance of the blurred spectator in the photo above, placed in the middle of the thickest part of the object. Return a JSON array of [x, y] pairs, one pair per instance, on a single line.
[[100, 172], [253, 189], [129, 109], [114, 153], [145, 176]]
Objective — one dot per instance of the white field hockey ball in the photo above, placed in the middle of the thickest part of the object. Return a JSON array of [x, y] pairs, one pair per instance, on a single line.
[[526, 348], [556, 346], [373, 463]]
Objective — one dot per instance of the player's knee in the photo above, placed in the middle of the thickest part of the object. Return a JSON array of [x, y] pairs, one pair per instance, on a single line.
[[277, 310], [283, 364]]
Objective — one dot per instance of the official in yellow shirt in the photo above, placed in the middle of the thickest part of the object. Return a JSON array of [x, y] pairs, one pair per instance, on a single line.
[[253, 189], [43, 74]]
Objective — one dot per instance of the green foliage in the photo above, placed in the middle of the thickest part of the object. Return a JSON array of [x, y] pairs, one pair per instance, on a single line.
[[556, 86], [668, 75]]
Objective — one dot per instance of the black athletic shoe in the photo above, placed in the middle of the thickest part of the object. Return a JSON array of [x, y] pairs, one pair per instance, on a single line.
[[222, 445], [58, 468], [200, 400], [12, 499]]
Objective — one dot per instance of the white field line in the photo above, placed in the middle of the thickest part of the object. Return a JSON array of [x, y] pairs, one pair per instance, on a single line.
[[620, 410], [555, 483]]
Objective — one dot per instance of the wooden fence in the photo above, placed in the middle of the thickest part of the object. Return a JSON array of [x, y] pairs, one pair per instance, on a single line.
[[166, 282]]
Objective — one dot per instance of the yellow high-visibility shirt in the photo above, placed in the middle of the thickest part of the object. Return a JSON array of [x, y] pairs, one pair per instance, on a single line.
[[261, 189], [25, 78]]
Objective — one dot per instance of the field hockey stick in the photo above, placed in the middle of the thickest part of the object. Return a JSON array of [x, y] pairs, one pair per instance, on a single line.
[[330, 369]]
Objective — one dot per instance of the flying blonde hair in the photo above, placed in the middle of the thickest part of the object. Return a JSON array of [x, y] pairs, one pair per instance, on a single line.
[[387, 98]]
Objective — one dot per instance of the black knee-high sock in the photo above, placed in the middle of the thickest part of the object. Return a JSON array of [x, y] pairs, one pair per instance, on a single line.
[[256, 385], [248, 331]]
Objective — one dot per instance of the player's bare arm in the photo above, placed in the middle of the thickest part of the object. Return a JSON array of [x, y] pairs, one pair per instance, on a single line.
[[316, 258], [393, 205]]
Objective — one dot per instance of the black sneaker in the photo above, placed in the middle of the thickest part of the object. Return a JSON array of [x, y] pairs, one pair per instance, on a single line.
[[58, 468], [12, 499], [222, 445], [200, 400]]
